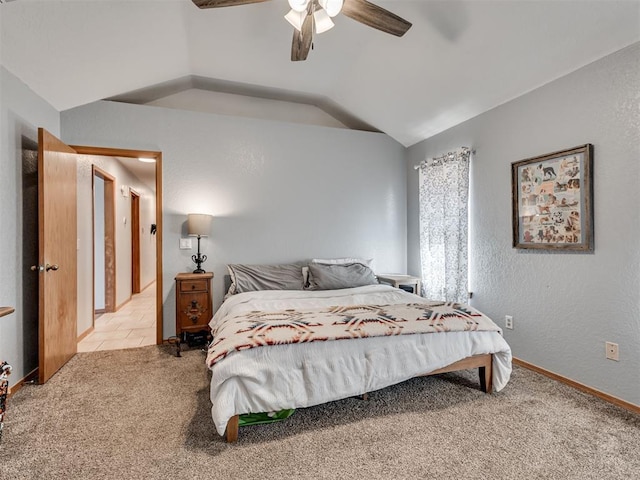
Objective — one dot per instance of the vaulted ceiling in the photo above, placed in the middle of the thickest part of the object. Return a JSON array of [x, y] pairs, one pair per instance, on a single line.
[[460, 58]]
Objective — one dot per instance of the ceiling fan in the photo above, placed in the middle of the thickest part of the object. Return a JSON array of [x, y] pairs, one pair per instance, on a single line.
[[314, 16]]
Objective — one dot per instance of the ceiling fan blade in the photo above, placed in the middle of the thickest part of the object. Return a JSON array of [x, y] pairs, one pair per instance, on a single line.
[[374, 16], [223, 3], [302, 40]]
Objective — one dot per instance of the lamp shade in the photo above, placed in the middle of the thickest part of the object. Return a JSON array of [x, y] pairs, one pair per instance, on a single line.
[[332, 7], [299, 5], [296, 18], [323, 21], [199, 224]]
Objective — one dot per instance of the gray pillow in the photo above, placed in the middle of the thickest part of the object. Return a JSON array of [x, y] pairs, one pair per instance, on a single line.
[[337, 276], [250, 278]]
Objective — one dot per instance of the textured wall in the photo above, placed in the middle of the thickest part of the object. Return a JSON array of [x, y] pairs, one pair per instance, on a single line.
[[21, 113], [279, 192], [565, 305]]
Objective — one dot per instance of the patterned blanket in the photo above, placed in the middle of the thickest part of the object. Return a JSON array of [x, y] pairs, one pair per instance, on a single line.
[[260, 328]]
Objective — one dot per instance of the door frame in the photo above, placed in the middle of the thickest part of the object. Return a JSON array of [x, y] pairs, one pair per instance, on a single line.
[[118, 152], [135, 241], [109, 232]]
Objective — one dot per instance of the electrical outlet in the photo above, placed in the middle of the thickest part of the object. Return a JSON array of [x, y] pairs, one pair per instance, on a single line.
[[611, 351], [508, 322]]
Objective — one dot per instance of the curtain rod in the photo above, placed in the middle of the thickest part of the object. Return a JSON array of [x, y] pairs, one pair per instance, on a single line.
[[448, 154]]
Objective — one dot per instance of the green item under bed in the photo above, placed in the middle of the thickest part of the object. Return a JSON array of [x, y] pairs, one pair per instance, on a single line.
[[264, 417]]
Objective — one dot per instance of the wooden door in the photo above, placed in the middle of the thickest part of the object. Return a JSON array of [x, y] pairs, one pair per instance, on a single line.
[[57, 228], [135, 242]]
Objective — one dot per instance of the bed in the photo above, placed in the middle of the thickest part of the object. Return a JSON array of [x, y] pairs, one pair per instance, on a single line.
[[278, 349]]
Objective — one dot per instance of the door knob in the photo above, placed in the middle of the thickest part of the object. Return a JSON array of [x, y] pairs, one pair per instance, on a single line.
[[37, 268], [52, 267]]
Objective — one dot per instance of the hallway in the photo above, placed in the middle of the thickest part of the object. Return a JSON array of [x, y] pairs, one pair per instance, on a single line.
[[134, 325]]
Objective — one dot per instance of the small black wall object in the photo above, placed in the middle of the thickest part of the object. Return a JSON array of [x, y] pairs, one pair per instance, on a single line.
[[153, 229]]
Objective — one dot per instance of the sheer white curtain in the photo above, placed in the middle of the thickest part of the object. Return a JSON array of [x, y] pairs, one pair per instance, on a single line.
[[444, 198]]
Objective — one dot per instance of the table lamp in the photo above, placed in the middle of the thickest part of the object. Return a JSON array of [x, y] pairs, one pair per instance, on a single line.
[[199, 225]]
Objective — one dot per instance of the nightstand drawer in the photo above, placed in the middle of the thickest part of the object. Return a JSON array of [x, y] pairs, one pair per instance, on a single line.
[[194, 285], [194, 312]]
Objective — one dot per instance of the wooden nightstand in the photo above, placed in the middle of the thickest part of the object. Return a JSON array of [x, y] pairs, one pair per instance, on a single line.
[[400, 281], [194, 307]]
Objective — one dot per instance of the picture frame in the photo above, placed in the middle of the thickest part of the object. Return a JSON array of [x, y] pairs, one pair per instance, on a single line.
[[552, 200]]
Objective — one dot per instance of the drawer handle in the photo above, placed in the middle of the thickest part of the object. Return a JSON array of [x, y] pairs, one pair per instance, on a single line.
[[194, 312], [193, 287]]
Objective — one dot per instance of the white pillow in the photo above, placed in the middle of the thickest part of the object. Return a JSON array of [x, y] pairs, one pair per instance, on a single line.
[[340, 261]]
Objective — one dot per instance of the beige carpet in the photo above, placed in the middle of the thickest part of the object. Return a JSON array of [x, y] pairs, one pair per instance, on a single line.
[[144, 414]]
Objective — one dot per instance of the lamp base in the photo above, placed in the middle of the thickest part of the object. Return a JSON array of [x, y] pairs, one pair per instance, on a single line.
[[199, 259]]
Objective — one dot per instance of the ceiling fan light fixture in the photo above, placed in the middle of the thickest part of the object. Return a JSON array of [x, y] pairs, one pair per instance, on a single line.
[[309, 17], [299, 5], [332, 7], [296, 18], [322, 21]]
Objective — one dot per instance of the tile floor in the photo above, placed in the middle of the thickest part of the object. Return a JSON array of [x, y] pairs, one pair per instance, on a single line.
[[134, 325]]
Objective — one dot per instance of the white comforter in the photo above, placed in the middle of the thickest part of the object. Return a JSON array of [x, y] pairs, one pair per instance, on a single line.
[[277, 377]]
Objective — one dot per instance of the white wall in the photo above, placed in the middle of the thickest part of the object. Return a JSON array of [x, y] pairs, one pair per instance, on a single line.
[[123, 233], [279, 192], [147, 240], [21, 113], [565, 305]]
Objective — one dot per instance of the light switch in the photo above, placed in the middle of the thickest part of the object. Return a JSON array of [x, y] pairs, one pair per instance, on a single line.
[[185, 244]]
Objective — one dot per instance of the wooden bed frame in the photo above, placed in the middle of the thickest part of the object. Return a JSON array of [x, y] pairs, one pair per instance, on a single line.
[[484, 364]]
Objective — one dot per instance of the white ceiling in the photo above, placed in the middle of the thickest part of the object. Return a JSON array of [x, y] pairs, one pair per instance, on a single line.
[[460, 58], [143, 171]]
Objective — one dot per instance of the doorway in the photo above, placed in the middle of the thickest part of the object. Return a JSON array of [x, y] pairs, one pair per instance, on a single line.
[[113, 154]]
